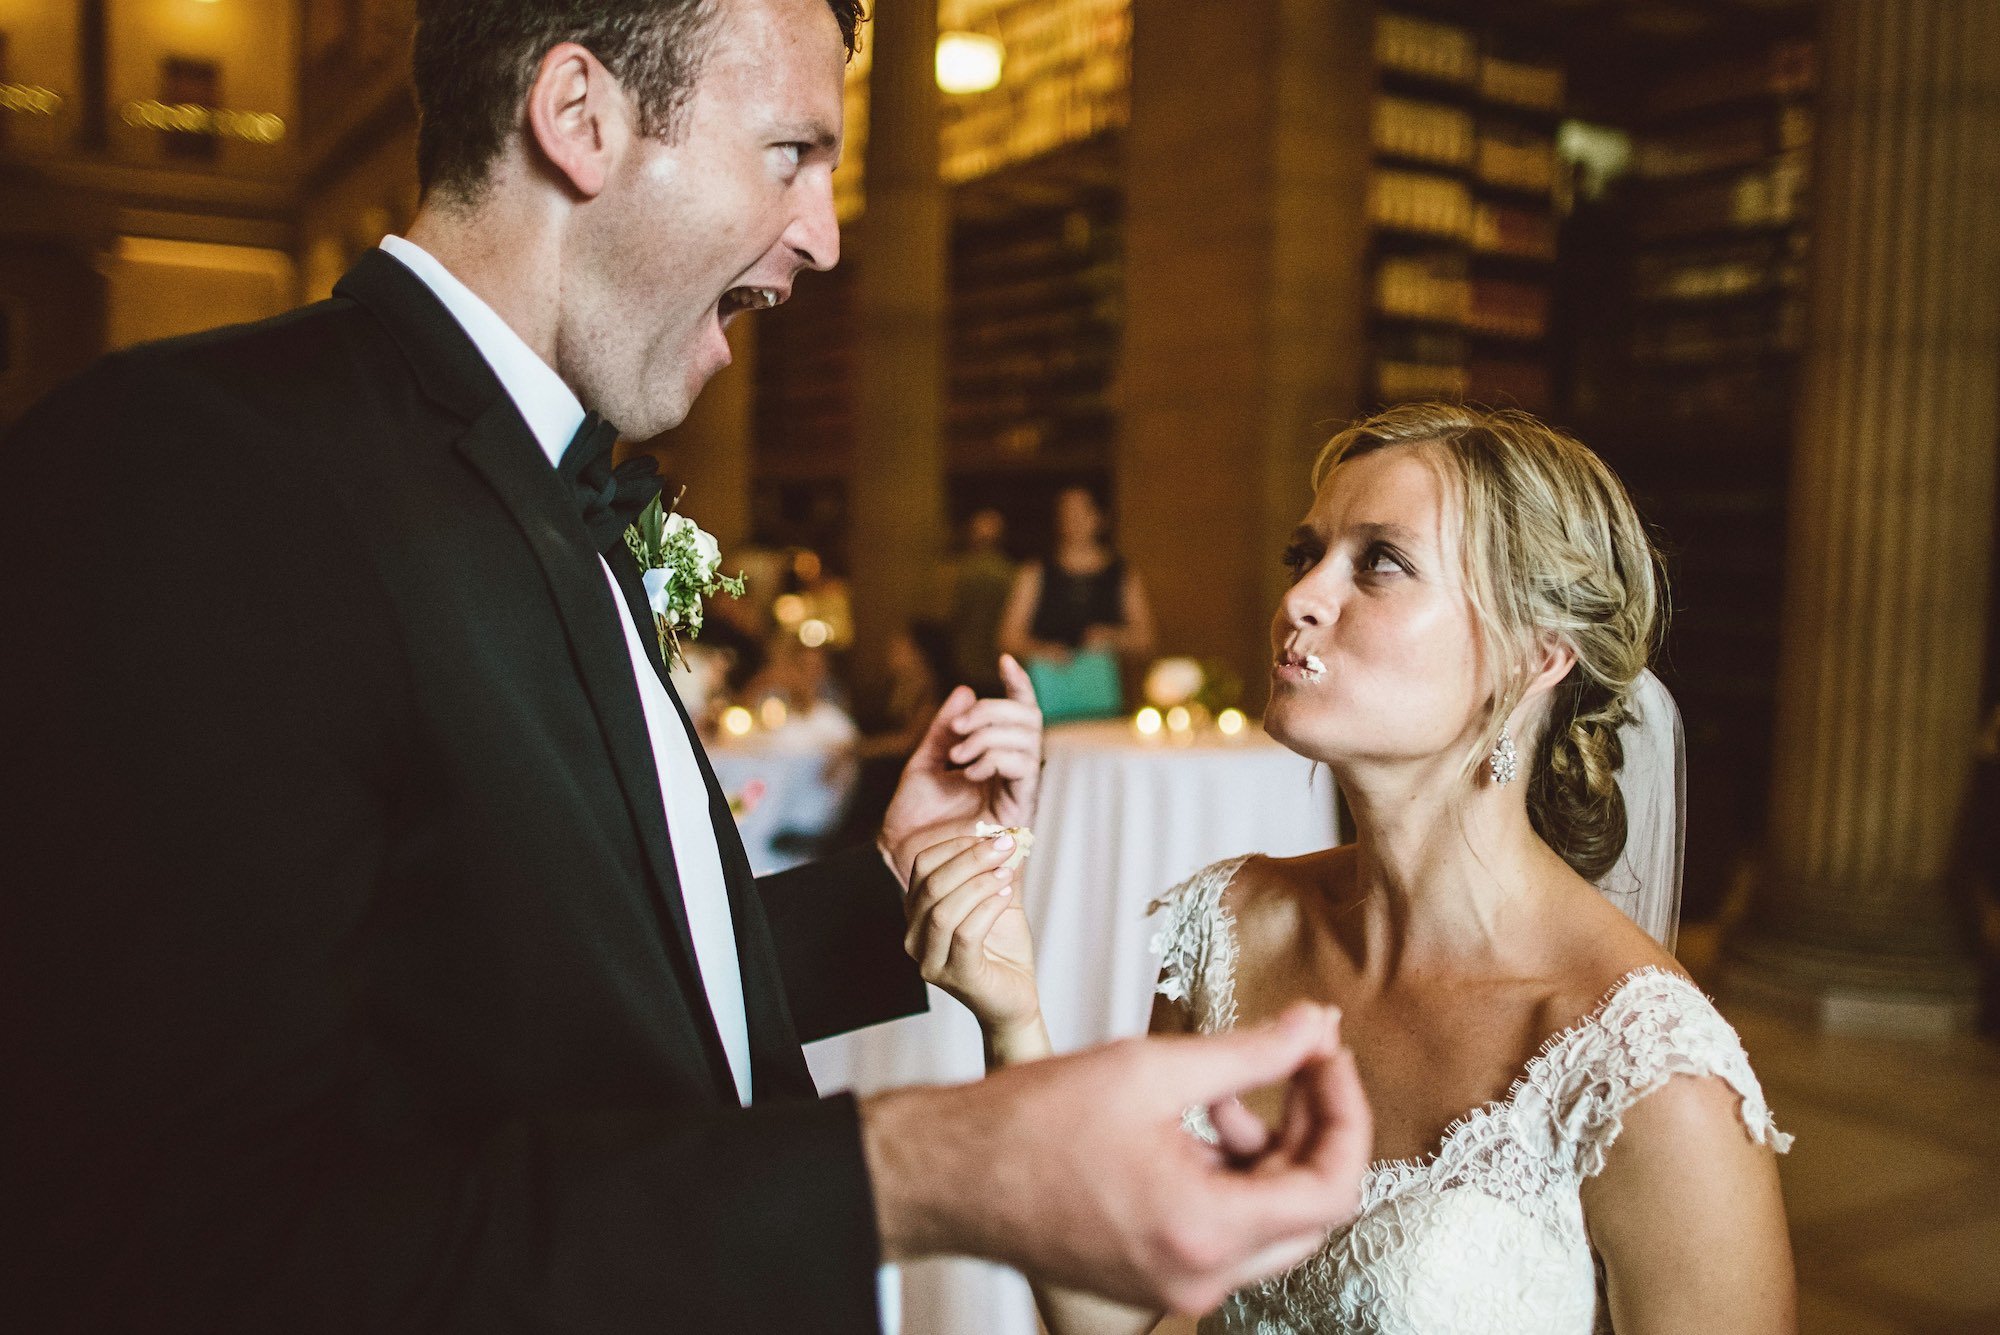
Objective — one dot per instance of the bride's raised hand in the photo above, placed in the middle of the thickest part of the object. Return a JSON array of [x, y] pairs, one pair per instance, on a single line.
[[968, 932]]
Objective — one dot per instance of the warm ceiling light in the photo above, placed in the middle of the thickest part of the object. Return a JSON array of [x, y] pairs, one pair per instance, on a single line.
[[968, 62]]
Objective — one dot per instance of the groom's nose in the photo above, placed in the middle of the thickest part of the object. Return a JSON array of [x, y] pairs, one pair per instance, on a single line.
[[814, 236]]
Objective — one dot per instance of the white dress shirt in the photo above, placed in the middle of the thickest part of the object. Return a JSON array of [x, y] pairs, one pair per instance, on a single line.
[[553, 415]]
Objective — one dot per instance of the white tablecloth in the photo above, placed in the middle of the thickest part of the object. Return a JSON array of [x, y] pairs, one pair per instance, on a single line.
[[1122, 820], [807, 770]]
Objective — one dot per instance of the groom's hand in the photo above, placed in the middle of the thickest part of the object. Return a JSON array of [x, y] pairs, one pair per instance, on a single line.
[[1077, 1171], [980, 760]]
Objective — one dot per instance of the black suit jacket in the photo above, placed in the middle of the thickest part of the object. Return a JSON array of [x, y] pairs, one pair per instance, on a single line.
[[348, 985]]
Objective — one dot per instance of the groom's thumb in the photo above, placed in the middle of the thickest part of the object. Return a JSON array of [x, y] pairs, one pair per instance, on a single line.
[[1210, 1068]]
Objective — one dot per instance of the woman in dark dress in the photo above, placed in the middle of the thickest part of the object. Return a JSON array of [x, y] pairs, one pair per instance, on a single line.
[[1082, 600]]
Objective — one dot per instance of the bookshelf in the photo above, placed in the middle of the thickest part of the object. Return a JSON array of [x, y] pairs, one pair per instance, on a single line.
[[1698, 411], [1461, 207]]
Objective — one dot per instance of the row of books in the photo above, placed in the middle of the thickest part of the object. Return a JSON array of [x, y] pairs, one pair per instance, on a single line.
[[1449, 54], [1717, 145], [1722, 335], [1773, 194], [1066, 78], [1441, 288], [1498, 154], [1444, 207], [1441, 313], [1721, 270]]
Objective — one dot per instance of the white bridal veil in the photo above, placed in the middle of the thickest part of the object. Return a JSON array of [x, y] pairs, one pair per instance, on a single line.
[[1645, 883]]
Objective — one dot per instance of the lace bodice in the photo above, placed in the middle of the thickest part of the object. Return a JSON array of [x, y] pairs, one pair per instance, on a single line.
[[1486, 1234]]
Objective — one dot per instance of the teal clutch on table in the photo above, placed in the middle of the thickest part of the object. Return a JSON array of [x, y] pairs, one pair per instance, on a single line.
[[1085, 687]]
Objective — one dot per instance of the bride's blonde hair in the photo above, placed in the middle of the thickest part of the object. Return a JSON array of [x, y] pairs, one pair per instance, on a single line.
[[1552, 545]]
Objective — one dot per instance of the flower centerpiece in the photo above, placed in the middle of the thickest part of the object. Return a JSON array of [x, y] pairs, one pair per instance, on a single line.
[[682, 565]]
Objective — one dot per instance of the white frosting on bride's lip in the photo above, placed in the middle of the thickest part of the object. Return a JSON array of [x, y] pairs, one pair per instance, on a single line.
[[1314, 668]]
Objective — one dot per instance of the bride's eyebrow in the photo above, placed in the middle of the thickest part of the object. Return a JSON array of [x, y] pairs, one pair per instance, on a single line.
[[1400, 535]]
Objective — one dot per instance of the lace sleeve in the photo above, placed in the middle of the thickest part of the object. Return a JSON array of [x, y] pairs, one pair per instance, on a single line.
[[1657, 1027], [1196, 944]]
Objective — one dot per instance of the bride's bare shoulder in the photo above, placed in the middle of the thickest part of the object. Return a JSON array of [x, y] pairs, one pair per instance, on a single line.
[[1597, 947], [1274, 894]]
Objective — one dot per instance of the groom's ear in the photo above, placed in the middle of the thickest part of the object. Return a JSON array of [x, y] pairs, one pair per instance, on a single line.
[[577, 115]]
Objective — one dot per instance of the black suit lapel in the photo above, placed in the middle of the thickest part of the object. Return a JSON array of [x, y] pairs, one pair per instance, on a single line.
[[778, 1068], [499, 446]]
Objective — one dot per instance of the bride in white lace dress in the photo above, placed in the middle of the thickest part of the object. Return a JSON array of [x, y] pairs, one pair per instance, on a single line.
[[1568, 1137]]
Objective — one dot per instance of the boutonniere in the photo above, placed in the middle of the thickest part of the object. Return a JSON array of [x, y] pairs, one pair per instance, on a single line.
[[682, 565]]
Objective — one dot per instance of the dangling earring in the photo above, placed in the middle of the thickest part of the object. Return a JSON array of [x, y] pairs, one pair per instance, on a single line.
[[1502, 762]]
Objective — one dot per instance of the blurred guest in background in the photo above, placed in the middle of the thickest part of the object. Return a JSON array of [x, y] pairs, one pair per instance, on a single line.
[[800, 678], [1075, 616], [981, 580]]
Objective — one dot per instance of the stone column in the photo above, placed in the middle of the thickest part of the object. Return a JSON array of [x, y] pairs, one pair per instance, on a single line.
[[1246, 240], [1856, 921], [896, 506]]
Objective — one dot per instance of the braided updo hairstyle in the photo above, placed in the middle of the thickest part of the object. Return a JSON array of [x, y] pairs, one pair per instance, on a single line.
[[1552, 545]]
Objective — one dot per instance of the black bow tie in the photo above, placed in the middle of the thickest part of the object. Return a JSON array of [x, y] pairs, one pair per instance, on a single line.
[[609, 499]]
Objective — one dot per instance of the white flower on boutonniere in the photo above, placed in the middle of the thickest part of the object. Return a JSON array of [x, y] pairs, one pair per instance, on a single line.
[[682, 565]]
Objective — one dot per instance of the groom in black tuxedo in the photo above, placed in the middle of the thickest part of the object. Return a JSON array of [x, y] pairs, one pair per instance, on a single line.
[[378, 949]]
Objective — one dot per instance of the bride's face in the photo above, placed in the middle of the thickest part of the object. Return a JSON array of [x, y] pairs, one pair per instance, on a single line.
[[1378, 598]]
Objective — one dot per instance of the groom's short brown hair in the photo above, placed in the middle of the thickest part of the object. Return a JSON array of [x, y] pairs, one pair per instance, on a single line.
[[475, 60]]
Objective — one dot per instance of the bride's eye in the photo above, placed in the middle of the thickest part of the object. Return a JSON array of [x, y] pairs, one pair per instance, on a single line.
[[1381, 560], [1299, 558]]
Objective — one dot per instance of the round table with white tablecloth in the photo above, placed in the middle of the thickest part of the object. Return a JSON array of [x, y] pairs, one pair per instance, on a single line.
[[1123, 819], [806, 771]]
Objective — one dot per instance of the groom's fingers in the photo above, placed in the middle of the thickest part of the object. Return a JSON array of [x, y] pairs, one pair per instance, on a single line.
[[1278, 1258], [1198, 1071], [1341, 1127], [1020, 686], [1279, 1200], [992, 713], [942, 734], [1295, 1126], [1004, 764], [1320, 1188], [997, 737], [1239, 1133]]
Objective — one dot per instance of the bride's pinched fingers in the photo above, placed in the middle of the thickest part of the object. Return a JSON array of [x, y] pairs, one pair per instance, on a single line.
[[975, 859], [931, 859], [967, 943], [939, 929]]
